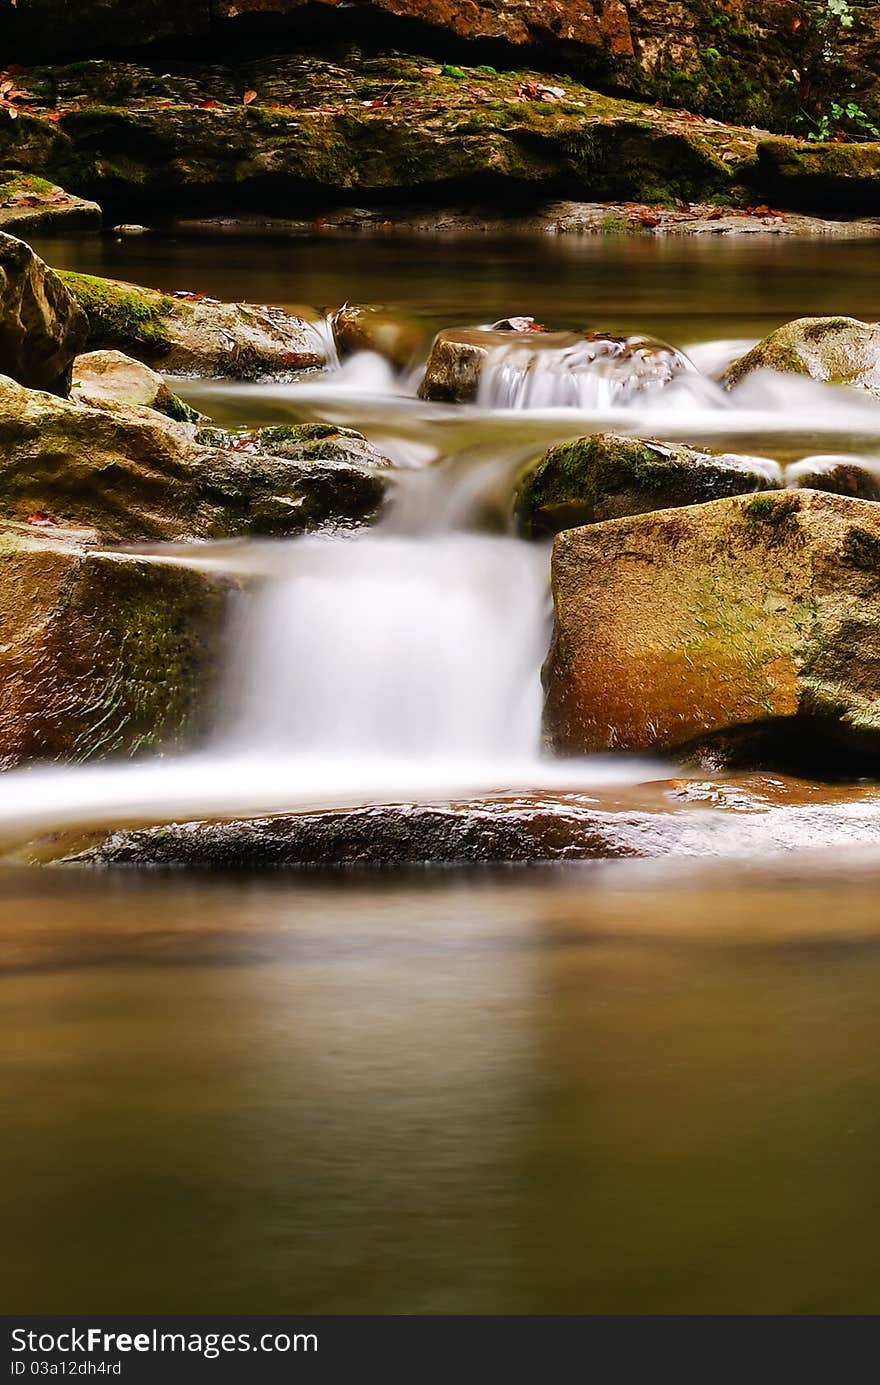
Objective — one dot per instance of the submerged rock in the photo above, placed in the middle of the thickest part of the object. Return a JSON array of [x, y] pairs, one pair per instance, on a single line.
[[362, 328], [99, 376], [102, 654], [29, 203], [835, 350], [131, 475], [745, 629], [721, 817], [41, 327], [606, 476], [194, 335]]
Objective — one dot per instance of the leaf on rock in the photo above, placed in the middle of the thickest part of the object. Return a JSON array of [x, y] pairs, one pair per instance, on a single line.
[[248, 97]]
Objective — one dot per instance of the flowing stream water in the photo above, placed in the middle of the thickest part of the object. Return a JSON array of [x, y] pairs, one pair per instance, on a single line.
[[610, 1088]]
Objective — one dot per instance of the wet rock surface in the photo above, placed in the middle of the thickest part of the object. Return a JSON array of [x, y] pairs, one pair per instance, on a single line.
[[190, 334], [821, 176], [687, 818], [111, 376], [744, 629], [835, 350], [133, 476], [102, 654], [41, 327], [366, 328], [606, 476]]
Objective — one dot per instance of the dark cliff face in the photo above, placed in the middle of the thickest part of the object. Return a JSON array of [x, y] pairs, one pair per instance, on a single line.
[[758, 62]]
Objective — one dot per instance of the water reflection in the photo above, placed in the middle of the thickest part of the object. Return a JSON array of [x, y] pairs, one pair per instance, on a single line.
[[594, 1091]]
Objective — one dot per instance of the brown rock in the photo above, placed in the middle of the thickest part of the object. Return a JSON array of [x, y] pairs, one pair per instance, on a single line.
[[723, 627], [41, 327]]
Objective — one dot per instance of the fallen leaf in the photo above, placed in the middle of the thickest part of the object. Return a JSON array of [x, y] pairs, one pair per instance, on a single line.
[[248, 97], [208, 105], [41, 519]]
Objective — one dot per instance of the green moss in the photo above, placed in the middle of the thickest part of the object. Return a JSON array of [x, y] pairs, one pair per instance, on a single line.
[[121, 315], [771, 509], [862, 549], [174, 407], [456, 72], [16, 184]]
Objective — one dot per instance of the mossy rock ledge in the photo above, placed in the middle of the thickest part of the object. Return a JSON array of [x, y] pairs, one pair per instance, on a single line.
[[835, 350], [607, 476], [103, 654], [194, 335], [746, 629]]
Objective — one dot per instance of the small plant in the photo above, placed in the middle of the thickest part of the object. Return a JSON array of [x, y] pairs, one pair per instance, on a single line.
[[456, 72], [832, 124], [824, 113]]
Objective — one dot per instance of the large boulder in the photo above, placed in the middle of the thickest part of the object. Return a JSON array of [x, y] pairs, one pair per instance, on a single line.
[[607, 476], [102, 654], [744, 628], [835, 350], [191, 334], [100, 377], [131, 475], [41, 327]]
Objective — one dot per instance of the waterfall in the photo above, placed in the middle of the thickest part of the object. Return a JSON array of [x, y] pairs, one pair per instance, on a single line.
[[385, 645], [551, 370]]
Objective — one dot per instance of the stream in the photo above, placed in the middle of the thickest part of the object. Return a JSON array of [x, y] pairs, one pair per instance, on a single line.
[[607, 1087]]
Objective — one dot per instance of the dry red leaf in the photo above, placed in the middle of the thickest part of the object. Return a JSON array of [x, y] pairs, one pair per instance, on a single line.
[[207, 105], [41, 519], [248, 97]]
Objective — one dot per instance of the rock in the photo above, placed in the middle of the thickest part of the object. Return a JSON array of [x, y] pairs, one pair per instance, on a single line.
[[606, 476], [193, 335], [144, 141], [101, 655], [739, 66], [111, 375], [452, 374], [534, 369], [836, 350], [29, 203], [721, 817], [745, 629], [131, 476], [359, 328], [41, 327], [305, 443], [841, 475], [820, 177]]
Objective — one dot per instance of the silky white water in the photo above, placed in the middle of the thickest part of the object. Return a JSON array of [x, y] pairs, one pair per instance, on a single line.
[[402, 664]]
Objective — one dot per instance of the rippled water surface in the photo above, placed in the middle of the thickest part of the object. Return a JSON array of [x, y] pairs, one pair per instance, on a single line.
[[616, 1088]]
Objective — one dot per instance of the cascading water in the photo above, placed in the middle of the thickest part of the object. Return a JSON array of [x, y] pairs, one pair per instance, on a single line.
[[401, 664]]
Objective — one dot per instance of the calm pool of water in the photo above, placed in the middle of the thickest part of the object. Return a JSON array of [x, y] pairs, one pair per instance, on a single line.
[[609, 1089]]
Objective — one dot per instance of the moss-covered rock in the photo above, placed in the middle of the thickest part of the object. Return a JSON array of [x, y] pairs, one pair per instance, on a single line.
[[820, 177], [741, 628], [139, 139], [606, 476], [129, 474], [305, 443], [41, 327], [193, 335], [101, 376], [102, 655], [29, 203], [836, 350]]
